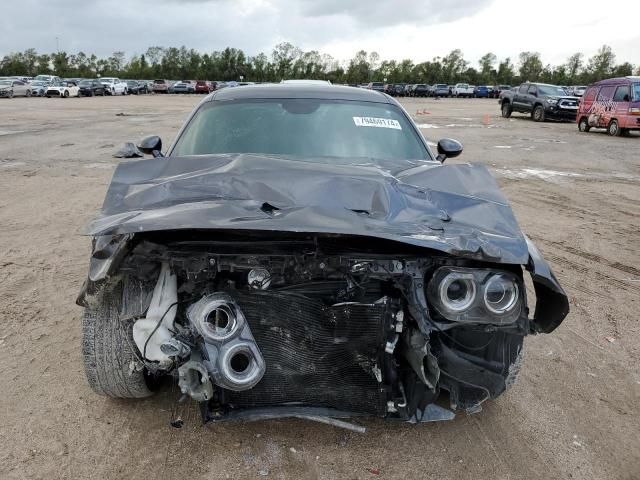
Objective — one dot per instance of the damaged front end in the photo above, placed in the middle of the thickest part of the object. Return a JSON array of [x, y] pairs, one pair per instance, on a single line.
[[257, 325], [276, 287]]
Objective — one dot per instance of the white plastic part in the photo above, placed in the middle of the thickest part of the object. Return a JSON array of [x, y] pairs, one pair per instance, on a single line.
[[165, 294]]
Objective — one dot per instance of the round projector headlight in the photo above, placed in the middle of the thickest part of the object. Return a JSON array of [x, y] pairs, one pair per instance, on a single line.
[[457, 291], [500, 294]]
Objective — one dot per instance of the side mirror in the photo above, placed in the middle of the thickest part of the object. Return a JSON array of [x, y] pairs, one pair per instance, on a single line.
[[151, 146], [448, 148]]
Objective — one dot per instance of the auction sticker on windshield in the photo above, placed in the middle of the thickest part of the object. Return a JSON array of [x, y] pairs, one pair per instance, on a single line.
[[377, 122]]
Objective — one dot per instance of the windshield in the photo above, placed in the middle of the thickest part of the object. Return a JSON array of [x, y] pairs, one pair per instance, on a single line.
[[551, 90], [38, 83], [85, 83], [635, 92], [42, 77], [302, 127]]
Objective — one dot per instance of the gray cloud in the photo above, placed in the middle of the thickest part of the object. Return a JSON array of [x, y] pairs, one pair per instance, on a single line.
[[387, 13]]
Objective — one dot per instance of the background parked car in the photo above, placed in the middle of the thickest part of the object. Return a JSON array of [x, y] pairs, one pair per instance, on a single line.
[[463, 90], [578, 90], [439, 90], [498, 89], [63, 90], [134, 87], [47, 78], [39, 88], [14, 88], [378, 86], [542, 101], [184, 86], [420, 90], [613, 104], [481, 91], [114, 86], [203, 86], [90, 88], [407, 89], [160, 86]]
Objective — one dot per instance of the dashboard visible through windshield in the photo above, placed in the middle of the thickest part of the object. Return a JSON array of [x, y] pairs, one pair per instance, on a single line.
[[303, 128]]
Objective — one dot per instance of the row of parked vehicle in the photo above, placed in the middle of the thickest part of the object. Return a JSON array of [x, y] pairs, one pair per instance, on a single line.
[[459, 90], [54, 86], [612, 104]]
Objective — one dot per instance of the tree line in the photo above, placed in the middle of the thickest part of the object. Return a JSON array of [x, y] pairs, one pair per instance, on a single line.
[[289, 61]]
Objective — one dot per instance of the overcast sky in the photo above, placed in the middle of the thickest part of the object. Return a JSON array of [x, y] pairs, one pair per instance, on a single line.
[[396, 29]]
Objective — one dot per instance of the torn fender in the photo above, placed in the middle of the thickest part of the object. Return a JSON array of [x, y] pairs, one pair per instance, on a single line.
[[552, 304]]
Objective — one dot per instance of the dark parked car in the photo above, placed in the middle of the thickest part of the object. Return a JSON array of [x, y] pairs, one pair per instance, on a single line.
[[272, 273], [136, 88], [90, 88], [420, 90], [541, 101], [498, 89]]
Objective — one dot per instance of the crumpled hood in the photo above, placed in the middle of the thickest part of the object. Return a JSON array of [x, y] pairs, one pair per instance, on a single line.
[[457, 209]]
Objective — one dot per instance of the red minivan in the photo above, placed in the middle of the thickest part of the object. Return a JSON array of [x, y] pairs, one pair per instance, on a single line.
[[613, 104]]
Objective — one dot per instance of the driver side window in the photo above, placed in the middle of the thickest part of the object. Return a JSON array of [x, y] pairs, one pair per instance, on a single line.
[[533, 90]]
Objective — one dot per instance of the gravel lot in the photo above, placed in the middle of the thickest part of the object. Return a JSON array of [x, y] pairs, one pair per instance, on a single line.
[[575, 412]]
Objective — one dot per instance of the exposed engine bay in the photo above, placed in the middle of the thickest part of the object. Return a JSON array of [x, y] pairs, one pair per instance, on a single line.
[[319, 326]]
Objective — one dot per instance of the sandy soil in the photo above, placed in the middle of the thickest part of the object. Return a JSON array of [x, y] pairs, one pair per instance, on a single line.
[[574, 414]]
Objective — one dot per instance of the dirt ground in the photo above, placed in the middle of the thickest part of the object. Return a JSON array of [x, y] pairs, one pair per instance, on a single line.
[[574, 414]]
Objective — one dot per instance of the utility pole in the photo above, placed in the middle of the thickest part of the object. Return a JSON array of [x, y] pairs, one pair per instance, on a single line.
[[57, 45]]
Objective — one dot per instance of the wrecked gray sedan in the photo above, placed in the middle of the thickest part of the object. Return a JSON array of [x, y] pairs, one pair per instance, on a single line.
[[300, 252]]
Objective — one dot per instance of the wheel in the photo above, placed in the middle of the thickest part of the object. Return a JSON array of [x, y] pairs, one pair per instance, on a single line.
[[110, 362], [66, 94], [583, 125], [103, 93], [506, 110], [614, 129], [113, 92], [28, 93], [92, 94], [11, 94], [538, 113]]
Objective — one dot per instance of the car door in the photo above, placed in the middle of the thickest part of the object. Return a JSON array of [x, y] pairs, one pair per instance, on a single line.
[[520, 98], [603, 108], [19, 88], [621, 99]]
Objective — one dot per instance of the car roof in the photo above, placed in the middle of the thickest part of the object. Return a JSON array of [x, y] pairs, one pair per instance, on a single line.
[[617, 80], [288, 90]]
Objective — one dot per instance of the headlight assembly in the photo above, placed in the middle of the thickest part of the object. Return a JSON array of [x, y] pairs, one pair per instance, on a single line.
[[472, 295]]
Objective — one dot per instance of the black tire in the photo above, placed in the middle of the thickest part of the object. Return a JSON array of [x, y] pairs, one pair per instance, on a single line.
[[66, 94], [28, 93], [107, 349], [614, 129], [583, 125], [538, 113], [506, 110], [11, 94]]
